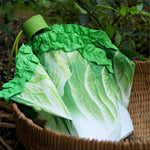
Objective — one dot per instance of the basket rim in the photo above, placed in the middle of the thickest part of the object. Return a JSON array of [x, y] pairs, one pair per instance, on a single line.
[[142, 66], [30, 122]]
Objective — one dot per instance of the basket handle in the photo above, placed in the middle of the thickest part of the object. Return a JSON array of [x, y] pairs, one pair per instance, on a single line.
[[14, 49]]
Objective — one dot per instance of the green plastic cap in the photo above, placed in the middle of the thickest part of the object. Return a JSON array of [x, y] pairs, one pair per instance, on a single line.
[[33, 25]]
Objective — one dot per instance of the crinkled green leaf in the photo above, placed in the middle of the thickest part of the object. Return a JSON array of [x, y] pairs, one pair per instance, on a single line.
[[41, 94], [81, 85], [25, 64], [75, 37]]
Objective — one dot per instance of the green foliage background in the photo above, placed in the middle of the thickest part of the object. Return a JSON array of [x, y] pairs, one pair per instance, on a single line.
[[127, 22], [14, 12]]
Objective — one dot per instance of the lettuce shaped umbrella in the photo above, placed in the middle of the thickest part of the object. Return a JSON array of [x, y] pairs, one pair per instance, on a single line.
[[77, 80]]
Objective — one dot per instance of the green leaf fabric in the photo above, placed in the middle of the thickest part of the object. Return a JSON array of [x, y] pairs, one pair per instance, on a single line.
[[95, 98], [25, 64], [78, 81], [74, 37], [41, 94], [58, 124]]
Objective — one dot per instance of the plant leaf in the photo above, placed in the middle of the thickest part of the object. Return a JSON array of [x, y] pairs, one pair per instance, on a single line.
[[133, 55], [139, 8], [145, 2], [107, 12], [136, 9], [133, 10], [81, 9], [83, 5], [117, 39], [145, 13], [84, 19], [108, 7], [6, 29], [124, 10], [101, 2], [93, 3], [110, 30]]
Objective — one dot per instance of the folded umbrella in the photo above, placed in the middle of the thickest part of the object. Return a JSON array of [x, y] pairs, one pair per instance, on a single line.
[[80, 82]]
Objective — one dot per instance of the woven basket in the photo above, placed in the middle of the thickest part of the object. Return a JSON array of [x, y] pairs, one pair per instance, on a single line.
[[35, 137]]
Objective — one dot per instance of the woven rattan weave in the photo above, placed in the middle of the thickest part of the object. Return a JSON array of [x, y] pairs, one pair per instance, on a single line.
[[36, 138]]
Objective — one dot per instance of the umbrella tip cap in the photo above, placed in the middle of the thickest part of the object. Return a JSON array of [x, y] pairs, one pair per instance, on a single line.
[[33, 25]]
